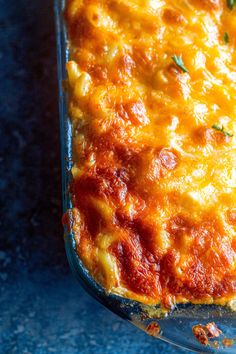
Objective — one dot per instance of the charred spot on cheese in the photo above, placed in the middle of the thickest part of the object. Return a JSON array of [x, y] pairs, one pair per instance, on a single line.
[[135, 112], [172, 16], [152, 104], [137, 272]]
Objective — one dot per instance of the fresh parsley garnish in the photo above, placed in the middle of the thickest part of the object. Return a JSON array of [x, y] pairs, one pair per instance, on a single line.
[[222, 130], [231, 4], [226, 38], [179, 62]]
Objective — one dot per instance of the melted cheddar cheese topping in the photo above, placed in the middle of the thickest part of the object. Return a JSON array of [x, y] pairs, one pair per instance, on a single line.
[[152, 98]]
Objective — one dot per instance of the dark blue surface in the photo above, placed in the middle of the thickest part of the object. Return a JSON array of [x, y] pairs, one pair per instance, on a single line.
[[42, 307]]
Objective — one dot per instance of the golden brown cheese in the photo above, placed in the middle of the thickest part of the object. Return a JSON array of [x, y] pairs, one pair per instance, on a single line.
[[153, 103]]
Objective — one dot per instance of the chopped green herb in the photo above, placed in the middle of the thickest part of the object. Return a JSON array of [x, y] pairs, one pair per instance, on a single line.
[[222, 130], [226, 37], [179, 61], [231, 4]]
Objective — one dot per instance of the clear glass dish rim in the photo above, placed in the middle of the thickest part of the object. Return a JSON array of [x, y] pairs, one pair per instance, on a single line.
[[125, 308]]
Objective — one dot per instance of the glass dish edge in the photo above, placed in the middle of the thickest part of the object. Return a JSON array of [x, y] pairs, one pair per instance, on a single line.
[[185, 315]]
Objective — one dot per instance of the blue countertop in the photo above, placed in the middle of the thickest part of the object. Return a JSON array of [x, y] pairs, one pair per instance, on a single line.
[[42, 307]]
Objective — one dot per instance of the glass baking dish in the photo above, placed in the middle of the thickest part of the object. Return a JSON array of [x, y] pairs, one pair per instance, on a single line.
[[176, 327]]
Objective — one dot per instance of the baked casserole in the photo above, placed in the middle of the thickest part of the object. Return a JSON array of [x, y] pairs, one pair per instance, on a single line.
[[152, 99]]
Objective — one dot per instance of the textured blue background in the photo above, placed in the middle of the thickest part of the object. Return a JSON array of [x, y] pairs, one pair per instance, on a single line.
[[42, 307]]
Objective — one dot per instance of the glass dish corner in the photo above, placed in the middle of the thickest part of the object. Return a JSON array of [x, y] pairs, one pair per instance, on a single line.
[[176, 328]]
